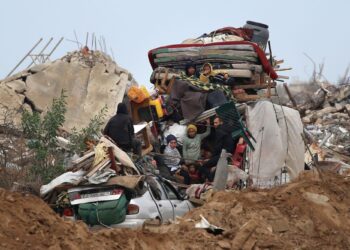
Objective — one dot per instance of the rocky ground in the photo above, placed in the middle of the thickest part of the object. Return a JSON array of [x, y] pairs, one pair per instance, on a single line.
[[310, 213]]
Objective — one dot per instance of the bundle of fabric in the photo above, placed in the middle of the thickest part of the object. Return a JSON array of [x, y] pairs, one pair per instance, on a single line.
[[212, 39], [182, 56], [223, 34], [243, 70], [207, 86]]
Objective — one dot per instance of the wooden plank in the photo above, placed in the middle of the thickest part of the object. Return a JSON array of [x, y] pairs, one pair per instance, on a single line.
[[98, 167], [279, 62], [290, 95], [284, 69], [255, 86], [283, 77], [83, 158], [246, 98]]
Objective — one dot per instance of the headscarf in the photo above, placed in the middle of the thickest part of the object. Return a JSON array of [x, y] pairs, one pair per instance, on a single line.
[[190, 65], [211, 68], [170, 138], [191, 126], [122, 109]]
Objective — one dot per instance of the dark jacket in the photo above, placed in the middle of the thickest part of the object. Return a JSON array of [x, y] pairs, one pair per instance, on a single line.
[[120, 127], [223, 140]]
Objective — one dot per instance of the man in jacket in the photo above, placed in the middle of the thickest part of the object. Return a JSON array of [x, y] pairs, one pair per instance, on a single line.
[[121, 129], [223, 140]]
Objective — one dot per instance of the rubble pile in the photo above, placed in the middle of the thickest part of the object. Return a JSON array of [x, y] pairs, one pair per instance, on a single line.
[[326, 116], [307, 213], [91, 80]]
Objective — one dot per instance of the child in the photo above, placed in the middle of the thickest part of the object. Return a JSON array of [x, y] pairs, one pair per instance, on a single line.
[[194, 174], [206, 73], [209, 75], [191, 148]]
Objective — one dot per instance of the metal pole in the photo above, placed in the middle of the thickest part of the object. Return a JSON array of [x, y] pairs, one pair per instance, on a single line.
[[76, 38], [54, 48], [41, 51], [30, 51], [92, 40], [87, 38], [290, 95]]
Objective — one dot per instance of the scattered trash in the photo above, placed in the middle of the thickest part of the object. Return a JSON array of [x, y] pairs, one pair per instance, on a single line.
[[209, 227]]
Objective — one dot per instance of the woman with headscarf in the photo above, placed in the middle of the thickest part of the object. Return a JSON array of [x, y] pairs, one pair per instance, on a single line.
[[191, 71], [172, 159], [121, 129]]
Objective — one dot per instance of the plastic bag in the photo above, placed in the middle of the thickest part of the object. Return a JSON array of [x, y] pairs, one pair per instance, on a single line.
[[135, 94], [234, 175]]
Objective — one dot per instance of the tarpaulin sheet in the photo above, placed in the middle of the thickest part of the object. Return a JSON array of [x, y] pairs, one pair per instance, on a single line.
[[277, 130]]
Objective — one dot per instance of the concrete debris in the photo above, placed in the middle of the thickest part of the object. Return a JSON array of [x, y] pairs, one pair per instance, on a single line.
[[326, 113], [90, 79]]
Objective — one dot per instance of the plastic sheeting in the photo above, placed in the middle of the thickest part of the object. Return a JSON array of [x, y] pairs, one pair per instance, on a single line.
[[277, 130], [73, 178]]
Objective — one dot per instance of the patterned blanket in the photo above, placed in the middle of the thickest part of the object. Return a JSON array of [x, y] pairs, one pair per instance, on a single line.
[[207, 86]]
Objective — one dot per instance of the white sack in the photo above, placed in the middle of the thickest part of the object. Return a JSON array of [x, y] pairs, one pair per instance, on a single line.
[[277, 130], [179, 131]]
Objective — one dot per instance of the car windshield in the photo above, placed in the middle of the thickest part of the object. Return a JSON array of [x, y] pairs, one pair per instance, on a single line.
[[169, 191]]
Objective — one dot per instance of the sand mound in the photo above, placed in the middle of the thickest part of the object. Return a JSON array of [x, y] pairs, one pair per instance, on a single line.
[[312, 212]]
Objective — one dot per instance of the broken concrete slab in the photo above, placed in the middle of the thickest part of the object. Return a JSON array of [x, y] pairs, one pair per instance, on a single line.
[[89, 80], [103, 86], [18, 86], [39, 67], [10, 105]]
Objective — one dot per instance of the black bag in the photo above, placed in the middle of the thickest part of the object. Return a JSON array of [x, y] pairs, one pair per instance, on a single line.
[[216, 98]]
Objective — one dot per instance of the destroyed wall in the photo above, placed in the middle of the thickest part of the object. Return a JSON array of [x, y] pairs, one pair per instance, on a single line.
[[90, 78]]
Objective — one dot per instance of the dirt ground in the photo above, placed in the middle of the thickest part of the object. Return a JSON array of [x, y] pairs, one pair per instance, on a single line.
[[312, 212]]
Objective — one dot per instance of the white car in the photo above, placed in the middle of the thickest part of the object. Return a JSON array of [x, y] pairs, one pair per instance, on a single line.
[[159, 201]]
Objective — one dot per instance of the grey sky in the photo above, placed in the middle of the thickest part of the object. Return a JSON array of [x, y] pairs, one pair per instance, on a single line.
[[131, 28]]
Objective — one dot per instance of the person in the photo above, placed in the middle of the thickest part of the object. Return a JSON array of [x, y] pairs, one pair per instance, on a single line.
[[193, 173], [191, 71], [191, 146], [223, 140], [217, 122], [206, 73], [121, 129], [209, 75], [172, 159]]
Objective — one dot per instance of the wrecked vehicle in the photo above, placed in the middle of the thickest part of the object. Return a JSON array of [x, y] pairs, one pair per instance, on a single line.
[[114, 206]]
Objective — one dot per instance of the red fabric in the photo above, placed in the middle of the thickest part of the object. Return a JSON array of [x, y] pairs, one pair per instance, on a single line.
[[246, 34], [194, 177], [237, 158], [261, 54]]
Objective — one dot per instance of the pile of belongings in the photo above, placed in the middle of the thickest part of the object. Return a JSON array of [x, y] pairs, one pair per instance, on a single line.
[[105, 163], [239, 68]]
